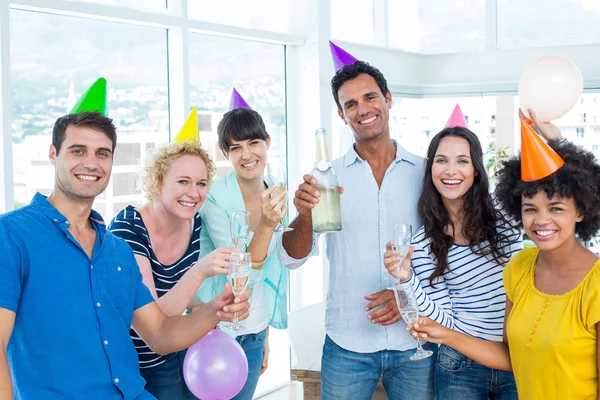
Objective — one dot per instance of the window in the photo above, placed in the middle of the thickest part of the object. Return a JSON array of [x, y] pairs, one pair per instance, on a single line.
[[431, 26], [594, 147], [267, 15], [133, 59], [352, 20], [556, 23], [137, 4], [255, 69], [416, 133], [580, 132]]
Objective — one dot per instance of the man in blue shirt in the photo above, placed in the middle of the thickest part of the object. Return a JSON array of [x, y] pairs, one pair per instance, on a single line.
[[381, 186], [70, 290]]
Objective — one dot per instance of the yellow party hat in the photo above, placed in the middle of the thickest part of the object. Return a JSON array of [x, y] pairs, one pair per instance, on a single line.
[[189, 130]]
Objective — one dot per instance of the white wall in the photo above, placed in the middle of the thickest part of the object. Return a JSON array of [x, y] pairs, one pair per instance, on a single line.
[[487, 71]]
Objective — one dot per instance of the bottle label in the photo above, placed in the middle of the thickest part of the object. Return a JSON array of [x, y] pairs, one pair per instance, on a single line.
[[322, 166]]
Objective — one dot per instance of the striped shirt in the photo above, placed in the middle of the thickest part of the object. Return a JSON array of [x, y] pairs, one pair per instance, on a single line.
[[128, 224], [469, 297]]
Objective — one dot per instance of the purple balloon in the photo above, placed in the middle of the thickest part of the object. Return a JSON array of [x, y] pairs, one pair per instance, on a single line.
[[215, 367]]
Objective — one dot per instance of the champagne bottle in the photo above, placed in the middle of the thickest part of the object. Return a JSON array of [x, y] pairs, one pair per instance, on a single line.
[[326, 216]]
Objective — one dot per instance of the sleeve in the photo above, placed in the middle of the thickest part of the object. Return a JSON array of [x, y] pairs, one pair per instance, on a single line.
[[216, 222], [507, 279], [591, 301], [517, 272], [128, 230], [142, 293], [12, 265], [293, 263], [434, 302]]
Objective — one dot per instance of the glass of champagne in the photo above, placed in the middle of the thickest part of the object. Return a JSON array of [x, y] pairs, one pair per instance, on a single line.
[[409, 310], [401, 240], [238, 275], [240, 228], [276, 176]]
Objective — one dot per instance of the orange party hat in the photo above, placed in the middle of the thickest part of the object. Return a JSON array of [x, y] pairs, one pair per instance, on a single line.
[[538, 160]]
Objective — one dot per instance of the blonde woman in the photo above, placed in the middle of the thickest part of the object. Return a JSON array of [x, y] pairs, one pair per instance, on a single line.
[[165, 237]]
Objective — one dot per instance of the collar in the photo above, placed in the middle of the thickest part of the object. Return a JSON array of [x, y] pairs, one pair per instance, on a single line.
[[401, 155], [41, 203]]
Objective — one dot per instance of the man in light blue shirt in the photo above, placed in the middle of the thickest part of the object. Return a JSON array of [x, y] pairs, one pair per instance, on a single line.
[[381, 185]]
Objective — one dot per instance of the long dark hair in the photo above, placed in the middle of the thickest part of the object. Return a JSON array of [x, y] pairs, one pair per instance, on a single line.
[[481, 218]]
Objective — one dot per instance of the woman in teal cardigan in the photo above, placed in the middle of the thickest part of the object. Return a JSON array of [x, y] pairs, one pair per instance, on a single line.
[[244, 141]]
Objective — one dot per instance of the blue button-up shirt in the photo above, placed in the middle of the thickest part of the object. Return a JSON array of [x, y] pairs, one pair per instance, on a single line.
[[356, 252], [71, 333]]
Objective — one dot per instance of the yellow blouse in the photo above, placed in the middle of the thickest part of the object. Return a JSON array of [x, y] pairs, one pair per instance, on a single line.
[[552, 338]]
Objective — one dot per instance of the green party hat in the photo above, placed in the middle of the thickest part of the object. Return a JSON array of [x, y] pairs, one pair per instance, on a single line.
[[94, 99]]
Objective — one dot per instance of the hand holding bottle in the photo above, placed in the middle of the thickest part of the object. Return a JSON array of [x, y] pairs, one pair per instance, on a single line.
[[307, 196], [326, 213]]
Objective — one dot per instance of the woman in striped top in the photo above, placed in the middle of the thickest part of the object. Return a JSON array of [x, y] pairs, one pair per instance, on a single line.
[[457, 258], [165, 237]]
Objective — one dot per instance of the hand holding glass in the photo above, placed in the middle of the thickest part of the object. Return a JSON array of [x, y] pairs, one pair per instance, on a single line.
[[239, 273], [401, 240], [409, 310], [276, 176], [240, 228]]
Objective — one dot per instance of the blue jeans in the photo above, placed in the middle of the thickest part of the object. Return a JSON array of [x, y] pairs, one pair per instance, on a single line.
[[459, 378], [349, 375], [253, 345], [165, 381]]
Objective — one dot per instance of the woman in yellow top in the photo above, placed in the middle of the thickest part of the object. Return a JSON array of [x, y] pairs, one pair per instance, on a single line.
[[553, 291]]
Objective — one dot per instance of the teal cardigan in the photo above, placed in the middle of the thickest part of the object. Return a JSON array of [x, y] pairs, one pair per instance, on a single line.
[[225, 197]]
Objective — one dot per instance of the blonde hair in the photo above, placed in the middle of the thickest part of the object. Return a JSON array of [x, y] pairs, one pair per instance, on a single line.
[[161, 160]]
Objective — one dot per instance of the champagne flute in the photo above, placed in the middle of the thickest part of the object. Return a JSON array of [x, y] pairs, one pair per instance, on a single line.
[[238, 275], [276, 176], [401, 240], [240, 228], [409, 310]]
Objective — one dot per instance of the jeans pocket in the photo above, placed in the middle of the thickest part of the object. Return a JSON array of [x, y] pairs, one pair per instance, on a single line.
[[449, 360], [261, 336]]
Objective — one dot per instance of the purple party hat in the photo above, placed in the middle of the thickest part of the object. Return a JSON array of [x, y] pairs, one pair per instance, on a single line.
[[237, 101], [340, 57]]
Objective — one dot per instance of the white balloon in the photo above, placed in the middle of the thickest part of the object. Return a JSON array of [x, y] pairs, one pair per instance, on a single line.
[[550, 86]]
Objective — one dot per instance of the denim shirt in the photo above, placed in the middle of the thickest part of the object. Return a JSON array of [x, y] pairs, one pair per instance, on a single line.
[[71, 334], [356, 252]]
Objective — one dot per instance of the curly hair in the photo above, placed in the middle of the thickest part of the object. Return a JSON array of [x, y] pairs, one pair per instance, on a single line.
[[161, 160], [481, 218], [578, 178]]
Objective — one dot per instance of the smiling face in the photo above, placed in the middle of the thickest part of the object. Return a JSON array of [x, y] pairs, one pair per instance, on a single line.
[[364, 108], [550, 223], [84, 163], [185, 186], [249, 157], [452, 170]]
